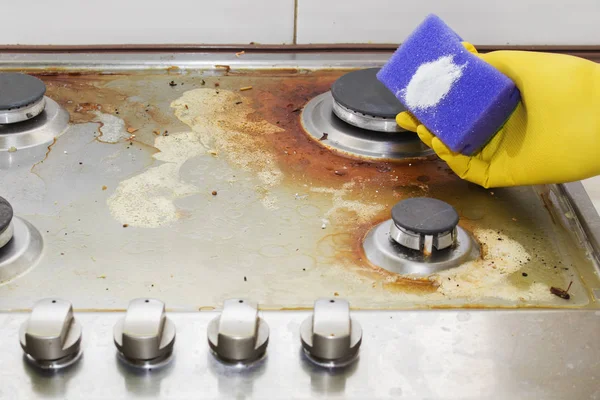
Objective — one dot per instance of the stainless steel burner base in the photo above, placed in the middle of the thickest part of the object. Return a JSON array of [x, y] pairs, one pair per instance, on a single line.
[[318, 118], [391, 256], [22, 252], [27, 142], [364, 121]]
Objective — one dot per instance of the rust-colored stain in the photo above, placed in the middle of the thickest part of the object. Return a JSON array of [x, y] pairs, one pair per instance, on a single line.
[[278, 97], [304, 159], [548, 206], [82, 94]]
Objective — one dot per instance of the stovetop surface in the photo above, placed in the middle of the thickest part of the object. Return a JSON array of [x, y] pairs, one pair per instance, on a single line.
[[124, 202], [194, 187]]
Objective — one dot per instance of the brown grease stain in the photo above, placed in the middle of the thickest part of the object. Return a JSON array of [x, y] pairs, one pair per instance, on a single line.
[[390, 281], [302, 159], [32, 170], [83, 94], [306, 161], [548, 206]]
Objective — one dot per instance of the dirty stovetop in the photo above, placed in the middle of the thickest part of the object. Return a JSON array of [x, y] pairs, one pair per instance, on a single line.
[[182, 186]]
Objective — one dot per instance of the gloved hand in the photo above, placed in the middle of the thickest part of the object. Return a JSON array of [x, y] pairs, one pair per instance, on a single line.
[[553, 136]]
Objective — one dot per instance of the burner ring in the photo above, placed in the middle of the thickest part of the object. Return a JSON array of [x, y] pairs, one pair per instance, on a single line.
[[318, 118], [366, 121], [20, 114]]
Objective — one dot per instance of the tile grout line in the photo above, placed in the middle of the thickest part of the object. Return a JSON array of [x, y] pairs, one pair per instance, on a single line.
[[295, 35]]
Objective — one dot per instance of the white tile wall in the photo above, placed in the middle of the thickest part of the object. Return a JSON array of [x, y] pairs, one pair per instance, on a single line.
[[478, 21], [146, 21]]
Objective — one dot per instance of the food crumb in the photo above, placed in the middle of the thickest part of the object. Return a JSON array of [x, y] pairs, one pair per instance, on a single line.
[[125, 225], [104, 188], [240, 53], [245, 88], [214, 193], [245, 279], [524, 274], [172, 84], [102, 277], [202, 82], [12, 149], [324, 137], [132, 130], [336, 294]]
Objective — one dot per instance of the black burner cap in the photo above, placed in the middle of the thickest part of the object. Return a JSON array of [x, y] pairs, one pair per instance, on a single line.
[[19, 90], [425, 216], [360, 91], [6, 214]]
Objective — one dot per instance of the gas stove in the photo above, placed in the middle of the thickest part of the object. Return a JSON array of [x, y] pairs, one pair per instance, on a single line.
[[216, 226]]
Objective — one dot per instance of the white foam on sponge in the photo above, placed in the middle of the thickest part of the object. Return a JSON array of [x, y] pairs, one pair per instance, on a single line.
[[431, 83]]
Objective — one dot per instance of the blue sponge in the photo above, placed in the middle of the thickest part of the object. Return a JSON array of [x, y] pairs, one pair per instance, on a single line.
[[460, 98]]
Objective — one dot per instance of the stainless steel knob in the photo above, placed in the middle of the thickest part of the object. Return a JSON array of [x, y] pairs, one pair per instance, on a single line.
[[51, 337], [145, 336], [238, 334], [331, 337]]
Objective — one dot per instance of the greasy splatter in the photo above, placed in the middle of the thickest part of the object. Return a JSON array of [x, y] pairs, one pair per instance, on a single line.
[[225, 126], [146, 200]]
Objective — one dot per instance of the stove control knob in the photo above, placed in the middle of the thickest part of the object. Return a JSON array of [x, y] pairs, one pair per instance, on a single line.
[[238, 335], [51, 337], [331, 337], [423, 224], [145, 336], [6, 225]]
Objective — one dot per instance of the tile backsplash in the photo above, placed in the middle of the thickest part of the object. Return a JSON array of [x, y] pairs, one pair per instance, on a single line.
[[75, 22], [514, 22]]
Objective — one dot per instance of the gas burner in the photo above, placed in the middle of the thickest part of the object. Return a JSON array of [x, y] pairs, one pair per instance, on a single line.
[[29, 121], [423, 237], [357, 117], [20, 243], [361, 100]]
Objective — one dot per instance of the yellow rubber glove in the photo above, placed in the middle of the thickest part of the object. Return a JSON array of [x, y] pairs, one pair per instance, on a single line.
[[553, 136]]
